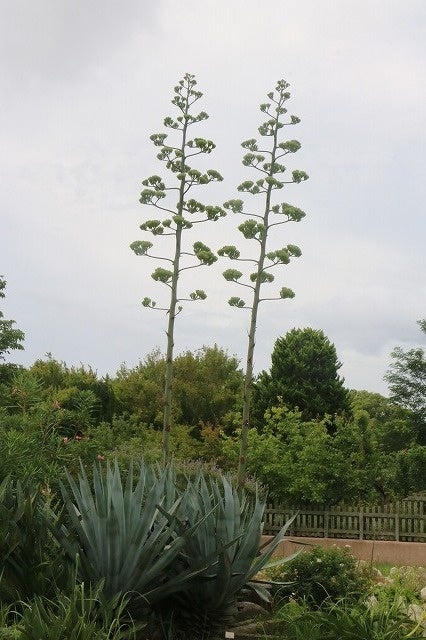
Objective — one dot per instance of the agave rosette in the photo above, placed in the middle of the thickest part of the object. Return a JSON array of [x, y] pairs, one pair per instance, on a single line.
[[226, 540], [120, 533]]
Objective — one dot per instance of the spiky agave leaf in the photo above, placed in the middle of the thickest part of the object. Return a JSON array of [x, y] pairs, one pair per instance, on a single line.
[[228, 539], [119, 532]]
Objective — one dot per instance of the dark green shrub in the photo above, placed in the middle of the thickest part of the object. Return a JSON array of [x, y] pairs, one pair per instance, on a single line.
[[31, 562], [321, 574]]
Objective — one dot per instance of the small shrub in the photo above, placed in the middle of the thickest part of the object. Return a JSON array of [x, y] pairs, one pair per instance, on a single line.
[[321, 574]]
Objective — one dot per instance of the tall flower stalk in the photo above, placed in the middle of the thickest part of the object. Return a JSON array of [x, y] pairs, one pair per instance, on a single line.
[[259, 226], [178, 219]]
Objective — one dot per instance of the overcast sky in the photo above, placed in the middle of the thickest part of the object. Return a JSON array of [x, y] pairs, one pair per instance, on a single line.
[[84, 83]]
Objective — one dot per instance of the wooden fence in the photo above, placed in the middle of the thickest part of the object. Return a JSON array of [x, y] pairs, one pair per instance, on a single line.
[[403, 521]]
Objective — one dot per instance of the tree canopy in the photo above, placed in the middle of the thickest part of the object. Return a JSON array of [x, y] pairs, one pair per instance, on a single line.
[[303, 376], [207, 386], [10, 338], [406, 378]]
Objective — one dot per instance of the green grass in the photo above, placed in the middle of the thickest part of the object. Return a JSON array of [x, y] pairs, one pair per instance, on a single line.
[[383, 567]]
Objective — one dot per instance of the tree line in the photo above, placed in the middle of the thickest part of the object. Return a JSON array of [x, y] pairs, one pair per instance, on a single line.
[[311, 439]]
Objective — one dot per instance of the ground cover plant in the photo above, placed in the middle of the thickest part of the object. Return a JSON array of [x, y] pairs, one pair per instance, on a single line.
[[343, 620], [332, 597]]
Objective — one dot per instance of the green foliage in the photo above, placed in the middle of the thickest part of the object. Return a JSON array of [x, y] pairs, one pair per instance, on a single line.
[[178, 549], [138, 391], [404, 583], [204, 254], [9, 629], [10, 338], [56, 376], [285, 292], [398, 459], [29, 452], [303, 376], [30, 561], [82, 615], [406, 378], [409, 465], [106, 518], [322, 574], [301, 462], [46, 408], [75, 411], [206, 385], [391, 424], [50, 418], [232, 275], [344, 620], [26, 392], [235, 301]]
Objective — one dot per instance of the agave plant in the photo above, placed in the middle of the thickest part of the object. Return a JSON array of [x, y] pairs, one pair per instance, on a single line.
[[227, 541], [123, 534]]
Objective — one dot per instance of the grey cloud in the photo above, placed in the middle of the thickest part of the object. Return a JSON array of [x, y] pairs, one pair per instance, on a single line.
[[54, 41], [88, 82]]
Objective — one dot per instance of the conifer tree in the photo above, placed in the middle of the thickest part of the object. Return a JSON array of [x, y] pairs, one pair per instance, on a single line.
[[178, 218], [264, 158]]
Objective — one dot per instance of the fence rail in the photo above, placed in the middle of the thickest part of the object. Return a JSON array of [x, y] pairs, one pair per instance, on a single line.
[[404, 521]]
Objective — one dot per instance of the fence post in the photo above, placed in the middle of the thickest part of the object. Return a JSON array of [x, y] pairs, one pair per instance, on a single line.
[[326, 523], [361, 523], [397, 521]]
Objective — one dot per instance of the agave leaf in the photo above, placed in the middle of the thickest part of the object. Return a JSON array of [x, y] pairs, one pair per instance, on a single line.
[[260, 590], [122, 536], [280, 561], [270, 547], [228, 540]]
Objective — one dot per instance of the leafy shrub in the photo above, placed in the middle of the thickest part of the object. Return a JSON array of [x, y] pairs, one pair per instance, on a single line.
[[321, 574], [30, 561]]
